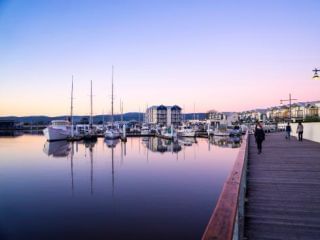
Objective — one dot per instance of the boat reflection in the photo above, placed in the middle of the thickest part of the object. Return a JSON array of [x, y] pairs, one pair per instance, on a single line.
[[57, 149], [89, 144], [111, 143], [162, 145], [226, 142], [187, 141]]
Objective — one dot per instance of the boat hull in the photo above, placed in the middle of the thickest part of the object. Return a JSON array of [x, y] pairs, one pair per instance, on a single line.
[[111, 135], [145, 132], [186, 134], [53, 134]]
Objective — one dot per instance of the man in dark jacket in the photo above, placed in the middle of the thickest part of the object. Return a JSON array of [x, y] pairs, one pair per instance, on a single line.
[[259, 135], [288, 131]]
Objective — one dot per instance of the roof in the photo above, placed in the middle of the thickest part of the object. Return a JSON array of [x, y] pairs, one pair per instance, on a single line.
[[176, 107], [163, 107]]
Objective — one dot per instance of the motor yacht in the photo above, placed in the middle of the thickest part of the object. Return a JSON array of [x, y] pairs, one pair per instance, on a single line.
[[58, 130]]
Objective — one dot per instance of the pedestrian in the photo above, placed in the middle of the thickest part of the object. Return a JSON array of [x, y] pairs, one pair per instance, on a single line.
[[288, 131], [300, 131], [259, 135]]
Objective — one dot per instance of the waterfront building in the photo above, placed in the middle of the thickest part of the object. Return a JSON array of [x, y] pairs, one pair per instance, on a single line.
[[253, 115], [218, 119], [300, 111], [313, 109], [163, 115]]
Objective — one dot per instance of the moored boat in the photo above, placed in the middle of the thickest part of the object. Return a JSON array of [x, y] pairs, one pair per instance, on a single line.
[[112, 132], [186, 131], [58, 130], [145, 130]]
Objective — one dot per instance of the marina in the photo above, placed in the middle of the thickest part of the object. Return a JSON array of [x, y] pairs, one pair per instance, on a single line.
[[159, 120]]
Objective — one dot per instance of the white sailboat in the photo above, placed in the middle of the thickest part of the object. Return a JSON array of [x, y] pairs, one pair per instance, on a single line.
[[112, 132], [61, 129]]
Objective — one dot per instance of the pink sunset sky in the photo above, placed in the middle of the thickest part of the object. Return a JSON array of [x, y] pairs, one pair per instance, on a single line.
[[221, 55]]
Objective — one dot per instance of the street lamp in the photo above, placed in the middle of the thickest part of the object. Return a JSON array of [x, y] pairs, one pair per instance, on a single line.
[[290, 100], [315, 75]]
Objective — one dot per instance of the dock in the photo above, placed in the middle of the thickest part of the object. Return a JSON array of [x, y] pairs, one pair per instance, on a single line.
[[273, 195], [283, 189]]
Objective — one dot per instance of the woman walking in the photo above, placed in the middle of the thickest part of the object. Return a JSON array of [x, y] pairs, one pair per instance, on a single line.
[[259, 135], [300, 131]]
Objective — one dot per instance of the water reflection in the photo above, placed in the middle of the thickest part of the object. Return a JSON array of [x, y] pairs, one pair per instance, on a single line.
[[96, 188], [57, 149], [162, 145], [226, 142], [10, 133], [63, 148], [112, 143]]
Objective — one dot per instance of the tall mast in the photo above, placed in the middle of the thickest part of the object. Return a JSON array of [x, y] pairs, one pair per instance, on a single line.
[[121, 110], [139, 114], [103, 118], [112, 97], [194, 111], [91, 120], [71, 108]]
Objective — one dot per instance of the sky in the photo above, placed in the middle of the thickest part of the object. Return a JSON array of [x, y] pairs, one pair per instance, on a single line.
[[219, 54]]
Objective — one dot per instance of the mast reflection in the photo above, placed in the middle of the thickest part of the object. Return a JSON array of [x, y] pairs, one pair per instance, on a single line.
[[71, 167], [90, 145], [112, 143]]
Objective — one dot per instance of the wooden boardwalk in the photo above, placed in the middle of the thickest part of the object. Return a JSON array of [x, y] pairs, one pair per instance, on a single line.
[[283, 189]]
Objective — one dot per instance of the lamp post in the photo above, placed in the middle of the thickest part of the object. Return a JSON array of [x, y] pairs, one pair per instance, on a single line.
[[315, 75], [288, 100]]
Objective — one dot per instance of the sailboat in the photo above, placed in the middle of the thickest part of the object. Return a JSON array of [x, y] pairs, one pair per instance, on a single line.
[[61, 129], [112, 131], [90, 135]]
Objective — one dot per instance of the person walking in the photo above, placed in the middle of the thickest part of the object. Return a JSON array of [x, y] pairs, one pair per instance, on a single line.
[[260, 136], [288, 131], [300, 131]]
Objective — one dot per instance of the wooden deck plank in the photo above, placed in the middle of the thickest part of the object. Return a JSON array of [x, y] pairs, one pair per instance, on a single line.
[[283, 189]]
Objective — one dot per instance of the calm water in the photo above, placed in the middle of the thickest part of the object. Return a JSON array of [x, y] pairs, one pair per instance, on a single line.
[[144, 189]]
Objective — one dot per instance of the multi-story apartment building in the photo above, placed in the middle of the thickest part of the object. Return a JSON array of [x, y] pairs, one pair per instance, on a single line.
[[164, 115]]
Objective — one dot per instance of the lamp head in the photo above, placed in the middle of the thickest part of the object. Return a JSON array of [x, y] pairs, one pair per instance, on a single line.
[[315, 75]]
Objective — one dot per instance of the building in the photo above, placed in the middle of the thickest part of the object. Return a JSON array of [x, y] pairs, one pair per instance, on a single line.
[[218, 119], [164, 115], [253, 115], [300, 111]]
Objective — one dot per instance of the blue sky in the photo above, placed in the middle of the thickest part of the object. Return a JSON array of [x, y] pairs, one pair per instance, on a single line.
[[224, 55]]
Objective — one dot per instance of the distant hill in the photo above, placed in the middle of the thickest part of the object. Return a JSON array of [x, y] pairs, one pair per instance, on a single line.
[[96, 119]]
